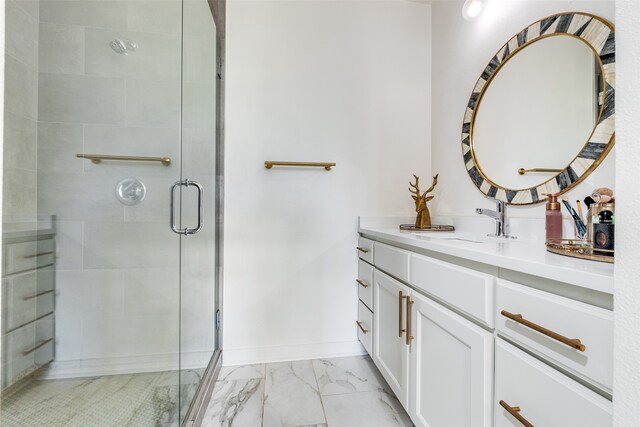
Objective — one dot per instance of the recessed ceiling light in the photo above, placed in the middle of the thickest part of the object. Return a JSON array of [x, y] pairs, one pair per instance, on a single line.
[[472, 9]]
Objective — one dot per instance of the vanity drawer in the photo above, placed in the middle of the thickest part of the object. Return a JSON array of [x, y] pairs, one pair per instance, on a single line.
[[365, 249], [27, 348], [364, 325], [593, 326], [392, 260], [28, 255], [545, 396], [465, 289], [19, 300], [365, 283], [27, 296]]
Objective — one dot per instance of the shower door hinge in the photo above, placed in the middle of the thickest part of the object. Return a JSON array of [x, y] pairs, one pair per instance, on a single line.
[[218, 320]]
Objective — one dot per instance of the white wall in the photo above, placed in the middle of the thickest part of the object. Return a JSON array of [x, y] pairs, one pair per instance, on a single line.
[[20, 115], [626, 383], [461, 50], [315, 81]]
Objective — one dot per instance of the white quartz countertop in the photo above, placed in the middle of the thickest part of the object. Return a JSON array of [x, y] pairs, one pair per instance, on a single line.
[[528, 257]]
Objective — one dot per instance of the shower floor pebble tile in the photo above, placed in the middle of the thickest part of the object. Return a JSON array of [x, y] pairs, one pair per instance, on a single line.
[[335, 392], [136, 400]]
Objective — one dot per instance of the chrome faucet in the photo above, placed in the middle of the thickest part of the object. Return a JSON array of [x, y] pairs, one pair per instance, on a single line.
[[500, 216]]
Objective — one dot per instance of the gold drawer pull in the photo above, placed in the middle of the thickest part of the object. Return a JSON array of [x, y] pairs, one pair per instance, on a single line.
[[363, 250], [39, 294], [39, 254], [359, 323], [400, 297], [571, 342], [361, 283], [37, 346], [409, 304], [515, 412]]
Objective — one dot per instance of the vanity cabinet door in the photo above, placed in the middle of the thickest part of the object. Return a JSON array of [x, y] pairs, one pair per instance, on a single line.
[[545, 397], [451, 368], [390, 351]]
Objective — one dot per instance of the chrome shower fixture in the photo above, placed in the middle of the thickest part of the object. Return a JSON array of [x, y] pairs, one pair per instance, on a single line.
[[123, 47]]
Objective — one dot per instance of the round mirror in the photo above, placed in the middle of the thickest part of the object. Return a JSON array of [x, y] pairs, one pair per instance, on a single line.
[[541, 116]]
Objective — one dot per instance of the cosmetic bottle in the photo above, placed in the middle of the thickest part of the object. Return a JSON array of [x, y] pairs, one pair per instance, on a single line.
[[604, 229], [553, 218]]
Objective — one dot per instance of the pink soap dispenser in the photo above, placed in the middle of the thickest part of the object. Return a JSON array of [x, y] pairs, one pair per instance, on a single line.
[[553, 218]]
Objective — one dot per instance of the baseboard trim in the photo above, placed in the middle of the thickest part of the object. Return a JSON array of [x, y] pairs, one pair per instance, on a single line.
[[124, 365], [285, 353]]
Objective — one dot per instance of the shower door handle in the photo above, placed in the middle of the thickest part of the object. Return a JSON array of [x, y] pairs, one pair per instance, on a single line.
[[172, 220]]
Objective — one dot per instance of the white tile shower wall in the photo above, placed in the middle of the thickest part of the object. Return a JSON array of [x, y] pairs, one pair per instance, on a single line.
[[20, 113], [314, 81], [461, 50], [118, 277]]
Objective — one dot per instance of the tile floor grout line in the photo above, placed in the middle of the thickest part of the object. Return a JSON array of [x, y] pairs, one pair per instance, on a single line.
[[315, 375], [264, 393]]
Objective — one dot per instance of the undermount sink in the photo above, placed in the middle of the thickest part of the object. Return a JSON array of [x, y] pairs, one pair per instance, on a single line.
[[461, 237]]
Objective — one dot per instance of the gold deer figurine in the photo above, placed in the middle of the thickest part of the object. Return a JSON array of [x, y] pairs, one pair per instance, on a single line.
[[423, 219]]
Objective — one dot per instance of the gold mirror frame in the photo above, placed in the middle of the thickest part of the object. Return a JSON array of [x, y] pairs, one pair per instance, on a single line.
[[599, 35]]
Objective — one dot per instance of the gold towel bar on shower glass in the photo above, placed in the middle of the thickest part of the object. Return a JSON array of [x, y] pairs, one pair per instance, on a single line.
[[97, 158], [327, 166], [522, 171]]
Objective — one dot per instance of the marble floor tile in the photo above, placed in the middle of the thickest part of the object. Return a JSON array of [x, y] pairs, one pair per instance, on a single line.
[[372, 408], [235, 404], [243, 372], [291, 395], [347, 375]]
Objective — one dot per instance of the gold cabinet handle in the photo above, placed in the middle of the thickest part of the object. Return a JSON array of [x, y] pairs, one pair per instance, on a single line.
[[571, 342], [38, 254], [515, 413], [39, 294], [359, 323], [363, 250], [400, 297], [35, 347], [409, 304], [361, 283]]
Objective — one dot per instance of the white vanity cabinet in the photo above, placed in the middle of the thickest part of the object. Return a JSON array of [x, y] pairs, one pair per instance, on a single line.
[[438, 363], [364, 281], [442, 341], [28, 304], [542, 395], [451, 365], [390, 324]]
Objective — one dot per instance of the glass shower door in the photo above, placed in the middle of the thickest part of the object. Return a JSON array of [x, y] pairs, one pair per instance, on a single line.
[[198, 337], [127, 313]]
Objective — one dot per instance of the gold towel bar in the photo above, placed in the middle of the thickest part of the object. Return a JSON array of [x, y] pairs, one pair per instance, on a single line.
[[97, 158], [269, 164], [522, 171]]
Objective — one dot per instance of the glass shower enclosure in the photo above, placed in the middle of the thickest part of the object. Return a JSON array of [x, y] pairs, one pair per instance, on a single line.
[[109, 301]]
